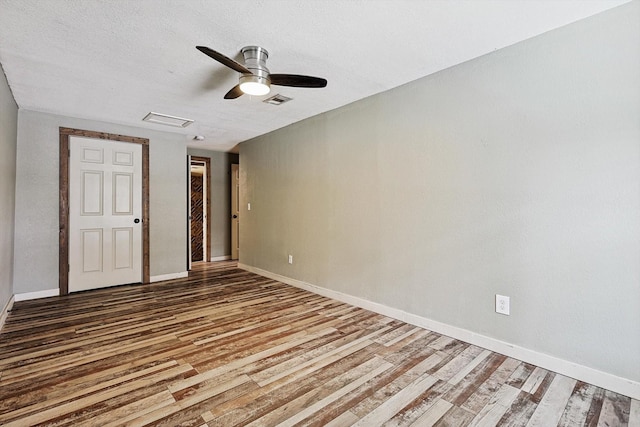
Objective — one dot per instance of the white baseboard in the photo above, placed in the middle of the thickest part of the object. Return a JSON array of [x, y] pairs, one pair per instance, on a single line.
[[38, 294], [220, 258], [605, 380], [5, 311], [169, 276]]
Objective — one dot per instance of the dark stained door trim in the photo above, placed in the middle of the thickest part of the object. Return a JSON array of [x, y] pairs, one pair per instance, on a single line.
[[207, 162], [65, 133]]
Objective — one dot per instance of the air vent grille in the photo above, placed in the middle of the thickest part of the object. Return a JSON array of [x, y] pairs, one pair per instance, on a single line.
[[165, 119], [277, 99]]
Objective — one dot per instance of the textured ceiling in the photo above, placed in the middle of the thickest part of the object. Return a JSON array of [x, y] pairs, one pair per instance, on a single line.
[[117, 60]]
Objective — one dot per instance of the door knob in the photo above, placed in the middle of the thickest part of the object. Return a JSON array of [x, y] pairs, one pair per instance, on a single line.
[[137, 220], [235, 216]]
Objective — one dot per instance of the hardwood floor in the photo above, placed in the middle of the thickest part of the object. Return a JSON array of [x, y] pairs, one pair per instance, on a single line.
[[226, 347]]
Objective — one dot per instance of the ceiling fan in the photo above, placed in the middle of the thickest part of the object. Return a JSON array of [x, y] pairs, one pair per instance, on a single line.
[[256, 78]]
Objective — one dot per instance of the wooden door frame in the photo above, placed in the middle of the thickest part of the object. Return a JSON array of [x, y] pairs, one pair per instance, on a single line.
[[207, 177], [65, 133]]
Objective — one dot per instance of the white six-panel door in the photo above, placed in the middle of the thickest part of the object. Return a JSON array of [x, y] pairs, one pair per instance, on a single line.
[[105, 213], [235, 211]]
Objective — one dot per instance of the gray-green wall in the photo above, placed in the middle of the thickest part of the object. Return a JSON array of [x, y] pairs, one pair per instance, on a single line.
[[220, 199], [515, 173], [8, 141], [37, 198]]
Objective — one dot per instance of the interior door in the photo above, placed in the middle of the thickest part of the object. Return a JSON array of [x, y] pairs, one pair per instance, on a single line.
[[235, 211], [189, 214], [105, 211]]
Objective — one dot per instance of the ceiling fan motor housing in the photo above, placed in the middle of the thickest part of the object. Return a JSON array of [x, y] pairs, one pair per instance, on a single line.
[[255, 60]]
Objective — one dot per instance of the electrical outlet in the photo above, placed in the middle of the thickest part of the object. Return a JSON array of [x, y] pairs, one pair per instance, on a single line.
[[248, 206], [290, 259], [502, 305]]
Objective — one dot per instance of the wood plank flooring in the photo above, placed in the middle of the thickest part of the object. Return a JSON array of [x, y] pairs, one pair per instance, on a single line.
[[225, 347]]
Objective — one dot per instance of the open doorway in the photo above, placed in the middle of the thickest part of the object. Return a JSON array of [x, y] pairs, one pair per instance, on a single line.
[[199, 209]]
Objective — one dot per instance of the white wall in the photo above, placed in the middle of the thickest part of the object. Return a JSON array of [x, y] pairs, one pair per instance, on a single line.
[[8, 140], [220, 199], [516, 173], [37, 198]]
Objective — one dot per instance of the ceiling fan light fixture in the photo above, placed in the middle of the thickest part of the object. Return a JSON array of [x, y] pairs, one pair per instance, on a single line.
[[255, 77], [254, 85]]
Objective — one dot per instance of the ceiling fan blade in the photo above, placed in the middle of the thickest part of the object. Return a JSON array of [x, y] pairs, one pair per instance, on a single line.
[[297, 80], [224, 60], [234, 93]]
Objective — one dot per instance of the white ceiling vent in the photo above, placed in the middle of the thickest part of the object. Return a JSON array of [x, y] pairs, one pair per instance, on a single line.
[[165, 119], [277, 99]]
